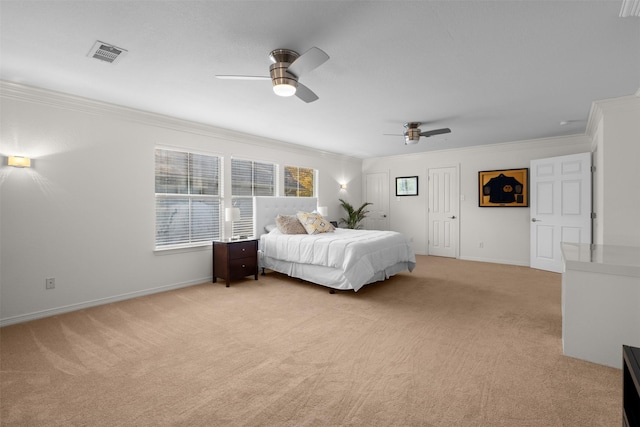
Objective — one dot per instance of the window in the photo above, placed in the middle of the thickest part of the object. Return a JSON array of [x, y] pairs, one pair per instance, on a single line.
[[298, 182], [187, 198], [248, 179]]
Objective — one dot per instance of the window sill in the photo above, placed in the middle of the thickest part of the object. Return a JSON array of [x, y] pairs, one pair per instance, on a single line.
[[170, 250]]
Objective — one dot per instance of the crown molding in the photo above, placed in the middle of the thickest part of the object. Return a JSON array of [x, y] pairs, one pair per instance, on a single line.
[[21, 92], [599, 107], [550, 142]]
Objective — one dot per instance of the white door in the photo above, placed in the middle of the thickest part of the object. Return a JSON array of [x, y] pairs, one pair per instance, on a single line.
[[443, 212], [560, 196], [377, 193]]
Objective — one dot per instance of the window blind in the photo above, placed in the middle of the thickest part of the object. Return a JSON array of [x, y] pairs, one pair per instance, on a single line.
[[250, 178], [187, 191]]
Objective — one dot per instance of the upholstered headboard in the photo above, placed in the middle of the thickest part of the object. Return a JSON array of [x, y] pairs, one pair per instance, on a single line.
[[266, 209]]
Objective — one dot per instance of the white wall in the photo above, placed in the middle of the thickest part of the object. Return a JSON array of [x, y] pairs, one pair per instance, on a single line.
[[84, 213], [616, 144], [503, 231]]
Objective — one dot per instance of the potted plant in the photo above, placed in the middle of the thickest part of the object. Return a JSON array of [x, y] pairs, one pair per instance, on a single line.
[[354, 216]]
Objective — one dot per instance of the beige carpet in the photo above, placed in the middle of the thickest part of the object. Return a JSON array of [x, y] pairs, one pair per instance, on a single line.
[[454, 343]]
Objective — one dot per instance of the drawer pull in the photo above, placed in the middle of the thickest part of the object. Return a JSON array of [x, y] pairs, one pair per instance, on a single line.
[[243, 266], [242, 249]]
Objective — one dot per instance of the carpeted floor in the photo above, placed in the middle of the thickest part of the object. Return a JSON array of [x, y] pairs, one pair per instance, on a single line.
[[455, 343]]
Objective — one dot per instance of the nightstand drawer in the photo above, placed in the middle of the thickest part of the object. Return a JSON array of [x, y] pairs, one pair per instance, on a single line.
[[242, 267], [242, 249]]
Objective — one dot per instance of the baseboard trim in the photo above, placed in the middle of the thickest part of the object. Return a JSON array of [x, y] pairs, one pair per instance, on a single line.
[[495, 261], [102, 301]]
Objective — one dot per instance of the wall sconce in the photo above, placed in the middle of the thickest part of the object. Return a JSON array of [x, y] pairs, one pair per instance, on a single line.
[[323, 211], [19, 161], [343, 186]]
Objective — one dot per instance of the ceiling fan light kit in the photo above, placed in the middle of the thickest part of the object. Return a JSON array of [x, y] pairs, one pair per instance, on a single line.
[[284, 83], [284, 87], [412, 133], [410, 141]]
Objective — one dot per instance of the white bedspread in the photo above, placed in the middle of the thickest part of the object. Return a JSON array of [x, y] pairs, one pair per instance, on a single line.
[[360, 254]]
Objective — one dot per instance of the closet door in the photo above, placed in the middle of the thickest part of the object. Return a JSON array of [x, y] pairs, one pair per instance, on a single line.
[[443, 215], [377, 192]]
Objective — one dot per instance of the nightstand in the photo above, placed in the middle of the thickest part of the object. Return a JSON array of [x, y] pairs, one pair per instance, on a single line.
[[235, 259]]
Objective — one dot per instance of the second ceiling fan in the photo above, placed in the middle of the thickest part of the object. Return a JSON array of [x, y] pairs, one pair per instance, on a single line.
[[413, 133], [288, 66]]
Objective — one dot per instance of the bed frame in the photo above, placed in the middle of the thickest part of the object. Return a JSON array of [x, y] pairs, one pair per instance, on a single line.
[[265, 210]]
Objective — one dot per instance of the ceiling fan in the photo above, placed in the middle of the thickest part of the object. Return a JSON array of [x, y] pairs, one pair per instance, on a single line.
[[413, 133], [288, 66]]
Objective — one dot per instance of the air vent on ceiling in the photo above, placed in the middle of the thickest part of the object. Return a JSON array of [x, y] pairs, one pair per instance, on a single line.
[[630, 8], [106, 52]]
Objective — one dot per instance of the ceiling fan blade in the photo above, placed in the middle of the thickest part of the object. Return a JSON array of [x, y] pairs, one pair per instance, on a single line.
[[305, 93], [392, 134], [310, 60], [435, 132], [236, 77]]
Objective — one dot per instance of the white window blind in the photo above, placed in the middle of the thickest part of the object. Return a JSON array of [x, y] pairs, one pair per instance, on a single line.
[[248, 179], [299, 182], [187, 198]]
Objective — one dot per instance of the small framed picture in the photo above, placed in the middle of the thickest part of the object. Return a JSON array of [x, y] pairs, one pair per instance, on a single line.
[[407, 186]]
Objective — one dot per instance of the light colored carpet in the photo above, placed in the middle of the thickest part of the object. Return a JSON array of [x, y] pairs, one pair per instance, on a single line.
[[455, 343]]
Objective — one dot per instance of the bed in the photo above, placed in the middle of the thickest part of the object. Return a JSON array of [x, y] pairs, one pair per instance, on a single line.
[[343, 259]]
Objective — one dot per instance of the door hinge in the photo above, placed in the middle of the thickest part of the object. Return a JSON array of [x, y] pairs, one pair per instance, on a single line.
[[593, 169], [593, 215]]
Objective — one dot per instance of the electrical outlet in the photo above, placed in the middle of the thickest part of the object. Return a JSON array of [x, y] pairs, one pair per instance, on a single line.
[[50, 283], [481, 245]]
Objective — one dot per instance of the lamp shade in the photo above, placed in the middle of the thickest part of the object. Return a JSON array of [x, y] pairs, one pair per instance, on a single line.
[[323, 210], [232, 214]]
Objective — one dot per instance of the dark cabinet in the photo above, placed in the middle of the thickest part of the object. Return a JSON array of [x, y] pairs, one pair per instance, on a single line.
[[630, 386]]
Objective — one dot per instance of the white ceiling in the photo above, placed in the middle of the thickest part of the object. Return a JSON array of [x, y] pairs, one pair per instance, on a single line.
[[492, 71]]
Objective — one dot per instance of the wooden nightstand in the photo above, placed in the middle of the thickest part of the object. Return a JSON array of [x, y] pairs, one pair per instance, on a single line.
[[235, 259]]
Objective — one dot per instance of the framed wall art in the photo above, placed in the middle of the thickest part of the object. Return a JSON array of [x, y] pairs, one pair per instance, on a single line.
[[407, 186], [504, 188]]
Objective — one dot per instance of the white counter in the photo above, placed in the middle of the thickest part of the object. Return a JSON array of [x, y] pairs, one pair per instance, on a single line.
[[606, 259], [600, 301]]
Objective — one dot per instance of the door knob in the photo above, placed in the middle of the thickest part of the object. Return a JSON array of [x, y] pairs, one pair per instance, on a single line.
[[535, 220], [453, 217]]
